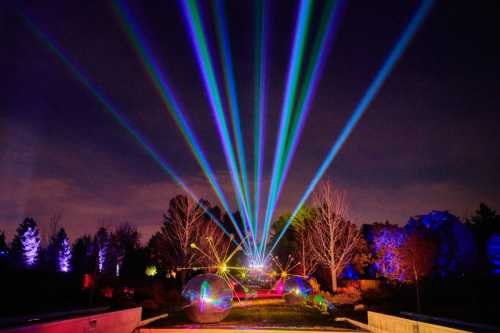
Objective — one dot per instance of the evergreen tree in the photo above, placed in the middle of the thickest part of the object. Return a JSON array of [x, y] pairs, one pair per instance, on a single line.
[[124, 243], [26, 244], [485, 225], [63, 247], [101, 246], [83, 259], [4, 250]]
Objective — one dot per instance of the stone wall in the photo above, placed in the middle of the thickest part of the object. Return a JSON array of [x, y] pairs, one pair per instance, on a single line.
[[382, 323], [123, 321]]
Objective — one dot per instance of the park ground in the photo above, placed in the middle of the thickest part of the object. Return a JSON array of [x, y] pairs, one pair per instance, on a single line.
[[276, 316]]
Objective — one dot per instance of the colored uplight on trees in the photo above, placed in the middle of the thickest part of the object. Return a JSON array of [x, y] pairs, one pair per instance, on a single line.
[[493, 251], [64, 256], [31, 246]]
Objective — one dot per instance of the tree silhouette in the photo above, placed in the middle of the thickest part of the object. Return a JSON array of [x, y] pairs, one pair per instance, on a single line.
[[124, 242], [484, 224], [83, 259], [4, 250], [416, 257]]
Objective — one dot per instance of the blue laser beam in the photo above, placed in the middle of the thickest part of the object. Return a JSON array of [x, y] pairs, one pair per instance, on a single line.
[[121, 119], [301, 29], [370, 94], [204, 60], [323, 43], [260, 107], [152, 68], [230, 85]]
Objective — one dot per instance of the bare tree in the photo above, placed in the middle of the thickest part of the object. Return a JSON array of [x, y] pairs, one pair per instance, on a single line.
[[54, 224], [212, 241], [180, 230], [332, 237], [304, 254]]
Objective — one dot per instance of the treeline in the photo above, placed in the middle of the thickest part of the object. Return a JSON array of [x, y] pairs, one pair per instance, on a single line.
[[106, 252], [117, 252], [434, 244], [437, 244]]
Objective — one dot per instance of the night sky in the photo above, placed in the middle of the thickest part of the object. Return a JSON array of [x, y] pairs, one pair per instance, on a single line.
[[429, 141]]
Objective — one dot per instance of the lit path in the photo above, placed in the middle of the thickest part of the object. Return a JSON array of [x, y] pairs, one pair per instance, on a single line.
[[261, 318]]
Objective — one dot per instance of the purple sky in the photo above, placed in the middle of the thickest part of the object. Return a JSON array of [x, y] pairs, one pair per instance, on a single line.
[[428, 141]]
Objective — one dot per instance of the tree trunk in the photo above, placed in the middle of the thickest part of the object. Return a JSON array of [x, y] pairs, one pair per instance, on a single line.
[[303, 257], [334, 279], [419, 309], [183, 278]]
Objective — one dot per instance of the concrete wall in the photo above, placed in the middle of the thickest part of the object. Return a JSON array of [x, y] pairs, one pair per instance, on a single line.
[[382, 323], [123, 321]]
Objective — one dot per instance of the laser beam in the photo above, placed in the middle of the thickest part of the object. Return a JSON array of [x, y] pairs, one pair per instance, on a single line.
[[149, 63], [301, 29], [323, 41], [260, 98], [395, 54], [198, 39], [120, 119], [230, 85]]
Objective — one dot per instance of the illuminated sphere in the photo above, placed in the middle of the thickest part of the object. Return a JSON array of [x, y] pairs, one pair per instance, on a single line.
[[209, 298], [296, 290]]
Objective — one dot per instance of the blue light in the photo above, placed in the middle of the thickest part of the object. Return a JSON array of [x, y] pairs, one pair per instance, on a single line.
[[370, 94], [122, 121]]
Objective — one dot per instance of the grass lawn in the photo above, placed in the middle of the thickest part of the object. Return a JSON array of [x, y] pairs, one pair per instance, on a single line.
[[260, 316]]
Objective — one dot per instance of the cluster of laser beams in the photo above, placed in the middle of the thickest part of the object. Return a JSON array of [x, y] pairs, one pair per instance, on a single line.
[[299, 90]]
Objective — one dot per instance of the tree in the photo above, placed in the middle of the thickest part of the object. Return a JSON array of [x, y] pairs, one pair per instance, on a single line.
[[295, 240], [210, 238], [124, 242], [386, 240], [416, 257], [59, 251], [172, 245], [26, 244], [4, 250], [485, 224], [332, 237], [83, 259], [362, 258], [457, 252], [101, 241], [288, 243], [300, 225]]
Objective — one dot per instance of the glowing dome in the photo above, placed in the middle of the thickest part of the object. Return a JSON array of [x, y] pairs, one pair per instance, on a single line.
[[209, 298]]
